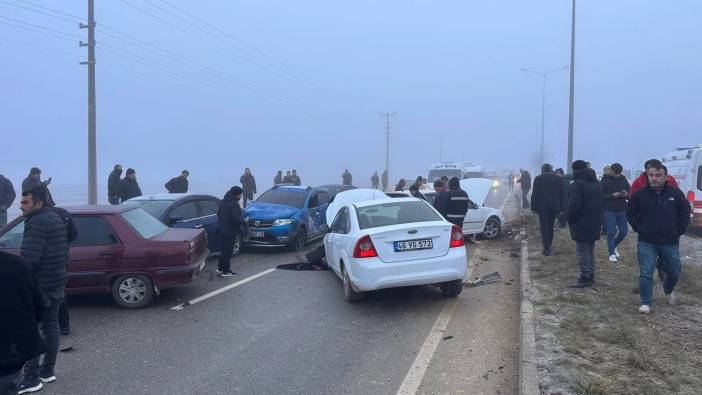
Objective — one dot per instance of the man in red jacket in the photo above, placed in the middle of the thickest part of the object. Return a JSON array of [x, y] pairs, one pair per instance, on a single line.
[[642, 180]]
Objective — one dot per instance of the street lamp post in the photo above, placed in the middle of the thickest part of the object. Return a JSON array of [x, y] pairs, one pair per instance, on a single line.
[[543, 104]]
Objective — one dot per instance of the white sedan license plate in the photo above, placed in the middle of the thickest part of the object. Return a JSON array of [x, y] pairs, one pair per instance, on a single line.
[[257, 233], [412, 245]]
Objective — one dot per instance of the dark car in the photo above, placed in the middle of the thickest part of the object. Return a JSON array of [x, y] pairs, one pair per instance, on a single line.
[[336, 189], [287, 216], [182, 210], [124, 251]]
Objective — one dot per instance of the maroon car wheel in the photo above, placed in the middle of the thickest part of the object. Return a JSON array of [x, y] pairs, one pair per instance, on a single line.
[[133, 291]]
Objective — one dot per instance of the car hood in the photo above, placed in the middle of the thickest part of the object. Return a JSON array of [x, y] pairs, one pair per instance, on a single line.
[[477, 189], [269, 211], [351, 196]]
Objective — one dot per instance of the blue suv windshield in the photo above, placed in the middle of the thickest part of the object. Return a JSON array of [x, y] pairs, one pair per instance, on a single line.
[[285, 197]]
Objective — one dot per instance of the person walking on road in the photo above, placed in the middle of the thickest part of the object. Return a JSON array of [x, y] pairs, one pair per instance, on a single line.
[[525, 183], [400, 187], [45, 250], [375, 181], [547, 201], [616, 191], [128, 187], [453, 204], [295, 178], [230, 221], [414, 191], [584, 216], [346, 178], [7, 197], [510, 181], [384, 180], [248, 184], [21, 310], [278, 179], [113, 185], [659, 213], [178, 184], [34, 182]]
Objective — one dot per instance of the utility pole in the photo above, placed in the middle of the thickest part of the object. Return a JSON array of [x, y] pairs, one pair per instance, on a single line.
[[571, 103], [387, 116], [92, 143]]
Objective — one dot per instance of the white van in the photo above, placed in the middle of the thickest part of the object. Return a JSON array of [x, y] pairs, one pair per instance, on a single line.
[[471, 170], [685, 165], [448, 169]]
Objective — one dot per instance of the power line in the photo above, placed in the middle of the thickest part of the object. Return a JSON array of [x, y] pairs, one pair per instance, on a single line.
[[52, 10], [37, 11], [39, 26], [38, 31], [38, 47]]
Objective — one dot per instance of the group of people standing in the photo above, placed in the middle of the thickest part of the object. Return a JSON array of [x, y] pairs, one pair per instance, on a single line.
[[120, 189], [652, 205], [290, 177]]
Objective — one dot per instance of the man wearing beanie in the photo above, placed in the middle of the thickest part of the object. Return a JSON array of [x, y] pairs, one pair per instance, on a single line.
[[453, 204], [584, 217], [230, 221], [128, 186], [33, 182]]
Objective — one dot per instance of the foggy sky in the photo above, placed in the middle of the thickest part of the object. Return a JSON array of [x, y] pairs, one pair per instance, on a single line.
[[449, 68]]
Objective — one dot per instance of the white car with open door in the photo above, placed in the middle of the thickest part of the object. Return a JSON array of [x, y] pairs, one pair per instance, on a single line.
[[483, 220], [387, 243]]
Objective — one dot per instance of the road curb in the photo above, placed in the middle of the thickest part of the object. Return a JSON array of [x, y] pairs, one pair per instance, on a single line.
[[528, 380]]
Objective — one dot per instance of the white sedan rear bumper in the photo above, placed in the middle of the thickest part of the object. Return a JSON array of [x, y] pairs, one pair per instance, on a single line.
[[368, 274]]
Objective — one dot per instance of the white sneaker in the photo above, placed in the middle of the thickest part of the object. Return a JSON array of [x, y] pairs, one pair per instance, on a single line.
[[644, 309], [616, 252], [613, 258], [670, 298]]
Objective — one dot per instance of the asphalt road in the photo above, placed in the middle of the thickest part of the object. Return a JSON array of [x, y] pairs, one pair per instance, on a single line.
[[283, 332]]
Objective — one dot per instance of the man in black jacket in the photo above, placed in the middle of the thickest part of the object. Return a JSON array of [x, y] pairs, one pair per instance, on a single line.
[[113, 185], [21, 308], [525, 183], [547, 201], [230, 221], [248, 185], [7, 196], [414, 191], [34, 182], [616, 191], [563, 215], [45, 250], [278, 179], [295, 179], [584, 217], [72, 234], [453, 204], [659, 213], [346, 178], [178, 184], [128, 186]]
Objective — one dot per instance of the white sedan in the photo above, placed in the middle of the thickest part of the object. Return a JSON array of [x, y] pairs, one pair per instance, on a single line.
[[386, 243]]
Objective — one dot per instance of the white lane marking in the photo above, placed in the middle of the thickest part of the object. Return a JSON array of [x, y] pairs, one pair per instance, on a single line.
[[504, 202], [223, 289], [419, 368]]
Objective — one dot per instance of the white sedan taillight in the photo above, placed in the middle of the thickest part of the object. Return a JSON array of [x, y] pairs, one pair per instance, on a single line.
[[457, 239]]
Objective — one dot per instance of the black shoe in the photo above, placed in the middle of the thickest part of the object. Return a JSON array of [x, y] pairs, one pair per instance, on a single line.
[[547, 252], [26, 386], [229, 274]]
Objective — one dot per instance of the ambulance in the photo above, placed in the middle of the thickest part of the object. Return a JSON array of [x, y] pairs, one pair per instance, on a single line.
[[448, 169], [685, 165]]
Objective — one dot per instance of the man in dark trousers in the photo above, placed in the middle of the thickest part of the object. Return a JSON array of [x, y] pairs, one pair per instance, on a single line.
[[453, 204], [7, 196], [278, 179], [525, 183], [128, 186], [616, 191], [178, 184], [384, 180], [113, 184], [21, 309], [34, 182], [375, 181], [248, 184], [72, 234], [659, 213], [346, 178], [584, 216], [230, 221], [547, 201], [45, 250]]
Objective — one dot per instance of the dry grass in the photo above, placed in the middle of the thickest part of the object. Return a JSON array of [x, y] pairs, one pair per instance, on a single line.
[[593, 341]]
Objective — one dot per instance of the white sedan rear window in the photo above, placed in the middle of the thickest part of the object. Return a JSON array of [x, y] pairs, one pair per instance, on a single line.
[[395, 213]]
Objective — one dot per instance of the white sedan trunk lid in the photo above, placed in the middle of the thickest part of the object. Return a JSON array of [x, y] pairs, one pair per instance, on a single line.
[[386, 238]]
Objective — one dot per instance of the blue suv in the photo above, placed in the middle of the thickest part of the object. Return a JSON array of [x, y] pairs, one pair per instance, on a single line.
[[287, 216]]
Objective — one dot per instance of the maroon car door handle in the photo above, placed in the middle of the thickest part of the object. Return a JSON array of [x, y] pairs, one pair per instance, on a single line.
[[106, 253]]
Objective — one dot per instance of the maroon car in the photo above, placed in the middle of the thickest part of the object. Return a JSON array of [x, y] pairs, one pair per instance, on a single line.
[[124, 251]]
